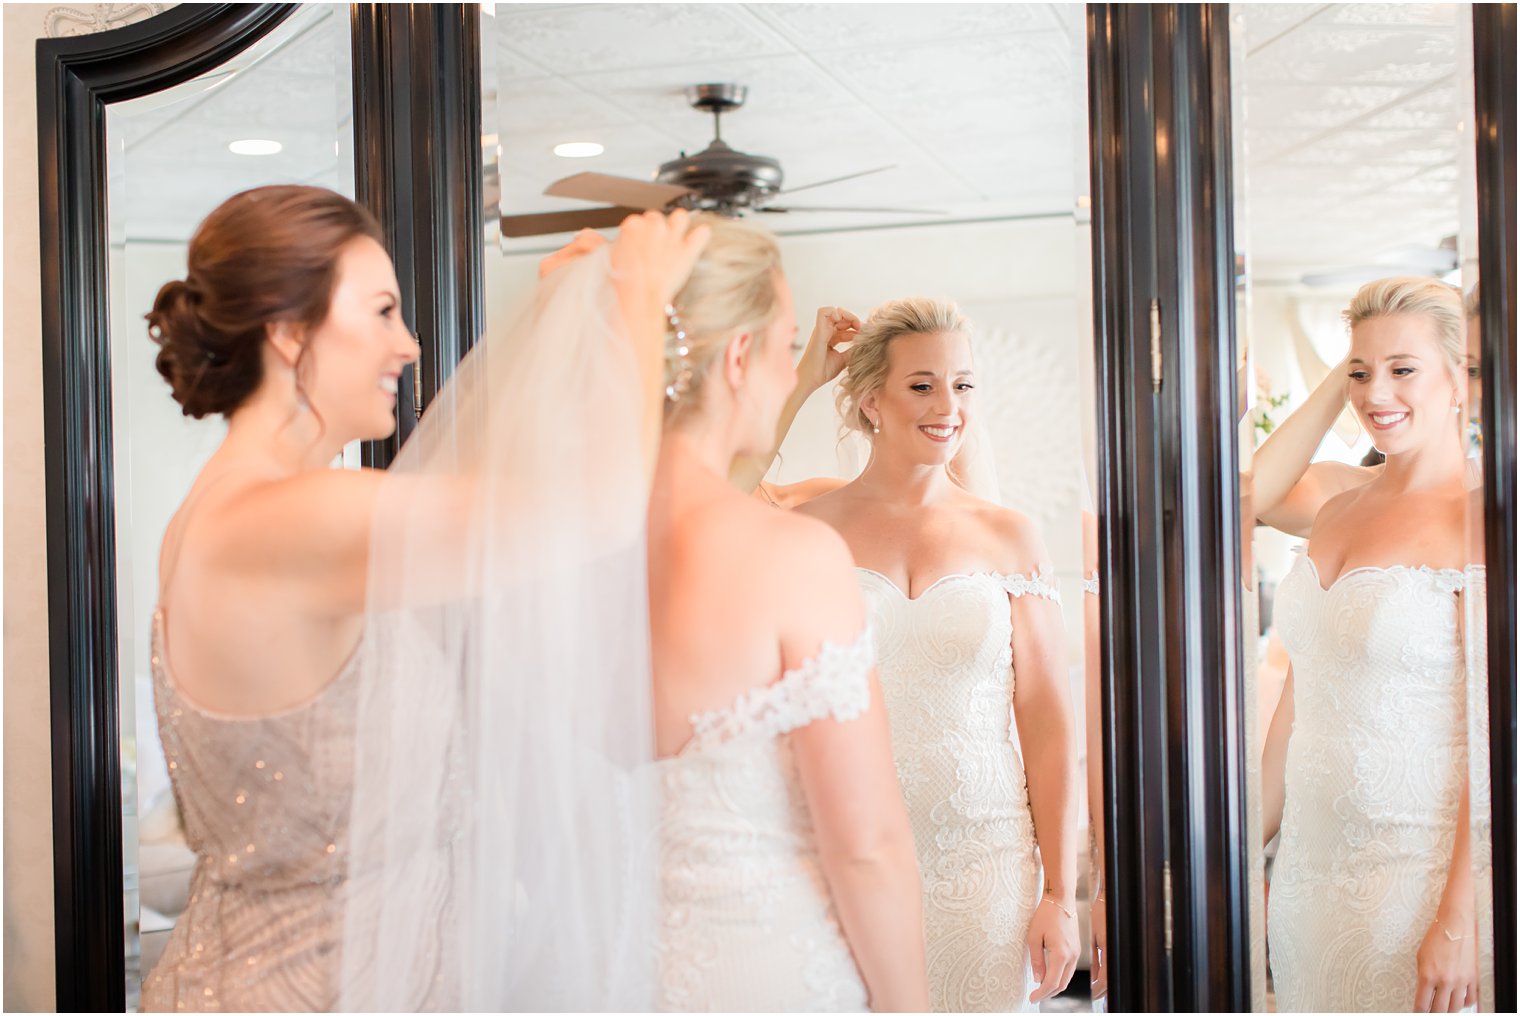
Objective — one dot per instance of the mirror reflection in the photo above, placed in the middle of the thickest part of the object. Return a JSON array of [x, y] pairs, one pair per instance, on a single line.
[[933, 423], [278, 113], [1354, 221]]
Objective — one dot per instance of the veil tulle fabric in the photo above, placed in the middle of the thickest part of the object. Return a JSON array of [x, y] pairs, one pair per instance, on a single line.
[[502, 825]]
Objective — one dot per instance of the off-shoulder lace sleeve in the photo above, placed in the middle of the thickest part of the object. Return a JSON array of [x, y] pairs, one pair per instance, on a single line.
[[835, 684], [1038, 584]]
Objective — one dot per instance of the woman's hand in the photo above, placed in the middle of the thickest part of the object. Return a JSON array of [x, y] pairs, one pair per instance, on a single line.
[[586, 241], [1099, 971], [1448, 968], [821, 362], [654, 254], [1053, 947]]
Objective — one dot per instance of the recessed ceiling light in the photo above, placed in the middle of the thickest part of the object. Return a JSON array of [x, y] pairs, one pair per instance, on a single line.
[[578, 149], [255, 146]]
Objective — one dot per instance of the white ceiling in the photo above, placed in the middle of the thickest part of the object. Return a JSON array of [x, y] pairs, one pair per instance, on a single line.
[[1350, 113], [978, 106], [1354, 126]]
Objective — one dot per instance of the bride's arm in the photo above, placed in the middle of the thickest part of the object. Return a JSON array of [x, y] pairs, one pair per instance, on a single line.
[[820, 364], [1047, 733], [1287, 490], [865, 840], [1274, 760], [1092, 641], [1042, 710], [1447, 960]]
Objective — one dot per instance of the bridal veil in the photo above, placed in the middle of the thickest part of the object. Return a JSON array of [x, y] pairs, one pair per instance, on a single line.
[[502, 834]]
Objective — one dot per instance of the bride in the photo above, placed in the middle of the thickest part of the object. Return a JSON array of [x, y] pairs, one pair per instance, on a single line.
[[969, 636], [788, 878], [1364, 768]]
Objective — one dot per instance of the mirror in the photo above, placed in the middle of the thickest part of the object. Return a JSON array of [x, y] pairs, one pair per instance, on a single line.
[[1356, 229], [278, 113], [933, 151]]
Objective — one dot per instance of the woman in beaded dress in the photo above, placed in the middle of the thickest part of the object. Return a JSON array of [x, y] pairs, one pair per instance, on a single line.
[[971, 648], [1365, 765], [288, 323]]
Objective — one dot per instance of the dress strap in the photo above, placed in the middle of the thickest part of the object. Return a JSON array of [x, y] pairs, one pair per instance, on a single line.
[[1039, 584], [834, 683]]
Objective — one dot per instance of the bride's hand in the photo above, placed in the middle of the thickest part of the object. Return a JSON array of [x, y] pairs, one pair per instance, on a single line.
[[1053, 949], [1448, 970], [821, 362], [1098, 919], [654, 254]]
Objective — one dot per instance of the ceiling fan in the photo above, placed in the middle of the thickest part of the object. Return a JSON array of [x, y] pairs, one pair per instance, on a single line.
[[717, 179], [1439, 260]]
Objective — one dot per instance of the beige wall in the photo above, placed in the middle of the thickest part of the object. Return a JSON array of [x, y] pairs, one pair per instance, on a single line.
[[28, 773]]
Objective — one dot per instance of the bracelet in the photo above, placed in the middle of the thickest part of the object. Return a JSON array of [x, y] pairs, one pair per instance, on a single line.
[[1449, 936], [1055, 903]]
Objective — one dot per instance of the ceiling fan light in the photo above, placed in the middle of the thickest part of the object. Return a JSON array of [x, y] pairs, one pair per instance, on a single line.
[[255, 146], [578, 150]]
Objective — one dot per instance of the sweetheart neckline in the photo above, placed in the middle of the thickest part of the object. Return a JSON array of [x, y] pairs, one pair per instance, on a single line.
[[932, 586], [1418, 569]]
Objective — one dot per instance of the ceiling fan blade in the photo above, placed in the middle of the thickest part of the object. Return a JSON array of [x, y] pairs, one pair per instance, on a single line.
[[565, 222], [619, 190], [784, 209], [838, 179]]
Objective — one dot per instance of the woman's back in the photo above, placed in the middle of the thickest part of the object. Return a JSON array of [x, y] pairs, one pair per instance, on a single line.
[[762, 668]]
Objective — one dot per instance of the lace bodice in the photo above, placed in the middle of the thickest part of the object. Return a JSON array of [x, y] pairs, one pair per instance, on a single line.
[[945, 659], [748, 922], [1375, 768], [265, 804]]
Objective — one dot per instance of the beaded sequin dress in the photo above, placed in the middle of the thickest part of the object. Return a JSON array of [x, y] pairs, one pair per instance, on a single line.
[[265, 804], [748, 921], [945, 659], [1373, 782]]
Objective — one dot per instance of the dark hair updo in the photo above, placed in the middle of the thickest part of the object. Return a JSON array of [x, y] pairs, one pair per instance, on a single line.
[[264, 256]]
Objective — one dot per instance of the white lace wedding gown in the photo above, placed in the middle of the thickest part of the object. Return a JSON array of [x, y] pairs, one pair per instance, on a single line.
[[748, 922], [1375, 769], [945, 661]]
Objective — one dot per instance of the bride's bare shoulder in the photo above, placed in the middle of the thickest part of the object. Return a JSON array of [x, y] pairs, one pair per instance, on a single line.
[[1014, 540]]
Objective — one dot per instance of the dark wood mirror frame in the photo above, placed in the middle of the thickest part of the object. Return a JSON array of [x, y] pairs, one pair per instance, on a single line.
[[416, 76], [1494, 116]]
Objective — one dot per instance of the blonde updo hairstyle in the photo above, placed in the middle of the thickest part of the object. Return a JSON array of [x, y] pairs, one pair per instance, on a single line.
[[865, 369], [732, 289], [1423, 296]]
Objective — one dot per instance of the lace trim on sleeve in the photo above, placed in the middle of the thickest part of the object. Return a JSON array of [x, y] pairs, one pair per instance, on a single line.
[[1090, 583], [835, 683], [1038, 584], [1448, 580]]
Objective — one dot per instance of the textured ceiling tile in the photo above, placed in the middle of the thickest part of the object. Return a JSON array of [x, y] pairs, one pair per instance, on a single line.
[[1262, 23], [1433, 15], [576, 38], [1023, 69], [1355, 56], [830, 27], [535, 104], [775, 83]]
